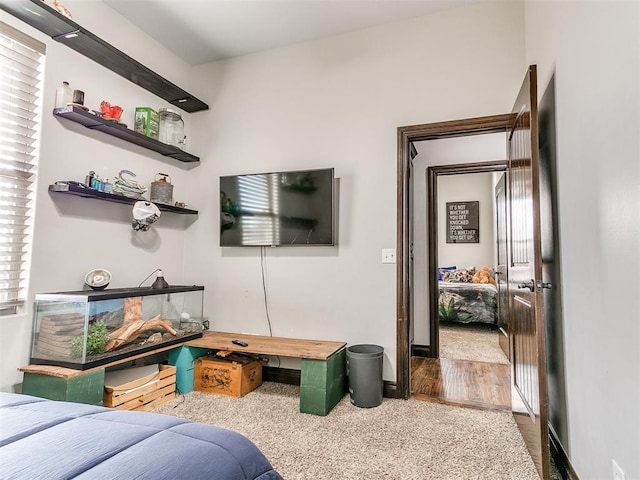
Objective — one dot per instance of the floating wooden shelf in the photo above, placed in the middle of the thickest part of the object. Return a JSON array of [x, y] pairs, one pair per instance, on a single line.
[[80, 191], [114, 129], [64, 30]]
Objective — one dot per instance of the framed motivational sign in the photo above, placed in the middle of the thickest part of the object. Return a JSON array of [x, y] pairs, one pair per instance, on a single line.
[[463, 222]]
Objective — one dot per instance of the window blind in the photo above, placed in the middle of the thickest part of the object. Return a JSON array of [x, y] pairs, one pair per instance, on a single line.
[[21, 73]]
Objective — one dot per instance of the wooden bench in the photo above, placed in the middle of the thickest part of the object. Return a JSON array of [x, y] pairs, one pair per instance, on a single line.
[[322, 376], [71, 385]]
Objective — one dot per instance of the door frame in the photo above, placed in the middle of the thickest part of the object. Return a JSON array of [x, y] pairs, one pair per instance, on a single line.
[[406, 135], [432, 233], [502, 269]]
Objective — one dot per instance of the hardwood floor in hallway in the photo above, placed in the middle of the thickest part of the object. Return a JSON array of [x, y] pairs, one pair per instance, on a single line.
[[461, 382]]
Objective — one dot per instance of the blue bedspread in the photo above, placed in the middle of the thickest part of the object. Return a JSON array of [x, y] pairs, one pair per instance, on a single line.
[[45, 439]]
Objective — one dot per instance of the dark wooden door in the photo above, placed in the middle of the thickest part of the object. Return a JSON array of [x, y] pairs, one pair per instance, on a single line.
[[502, 264], [530, 408], [551, 275]]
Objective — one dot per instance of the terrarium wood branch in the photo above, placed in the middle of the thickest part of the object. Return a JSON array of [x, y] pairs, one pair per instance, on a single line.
[[134, 325]]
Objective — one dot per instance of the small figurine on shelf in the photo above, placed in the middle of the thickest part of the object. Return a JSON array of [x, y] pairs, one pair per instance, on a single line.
[[110, 112], [105, 109], [61, 8]]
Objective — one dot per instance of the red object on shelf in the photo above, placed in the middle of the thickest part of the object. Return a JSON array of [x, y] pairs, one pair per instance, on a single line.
[[110, 112]]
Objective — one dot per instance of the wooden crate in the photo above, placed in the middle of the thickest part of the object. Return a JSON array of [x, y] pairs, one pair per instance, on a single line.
[[234, 375], [142, 393]]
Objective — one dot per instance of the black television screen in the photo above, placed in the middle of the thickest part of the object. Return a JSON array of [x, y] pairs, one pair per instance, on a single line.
[[279, 208]]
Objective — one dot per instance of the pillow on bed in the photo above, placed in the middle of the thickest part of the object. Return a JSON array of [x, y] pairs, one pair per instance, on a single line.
[[460, 275], [443, 270]]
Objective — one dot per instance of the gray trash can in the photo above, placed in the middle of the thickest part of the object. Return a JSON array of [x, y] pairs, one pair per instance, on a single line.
[[364, 368]]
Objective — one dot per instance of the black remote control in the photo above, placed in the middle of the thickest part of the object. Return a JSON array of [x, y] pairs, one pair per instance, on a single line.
[[240, 343]]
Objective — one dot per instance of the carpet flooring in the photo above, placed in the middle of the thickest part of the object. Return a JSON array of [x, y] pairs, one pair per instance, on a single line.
[[477, 343], [399, 440]]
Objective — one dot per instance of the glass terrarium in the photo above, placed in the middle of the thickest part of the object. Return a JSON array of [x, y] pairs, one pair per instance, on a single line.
[[88, 328]]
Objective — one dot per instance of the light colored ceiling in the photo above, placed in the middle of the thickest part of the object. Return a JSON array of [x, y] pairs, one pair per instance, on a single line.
[[202, 31]]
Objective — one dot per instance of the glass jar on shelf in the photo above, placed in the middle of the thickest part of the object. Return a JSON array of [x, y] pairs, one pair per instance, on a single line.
[[171, 129], [64, 95]]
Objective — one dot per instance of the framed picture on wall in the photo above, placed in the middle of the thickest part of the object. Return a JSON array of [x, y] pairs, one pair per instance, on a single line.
[[463, 222]]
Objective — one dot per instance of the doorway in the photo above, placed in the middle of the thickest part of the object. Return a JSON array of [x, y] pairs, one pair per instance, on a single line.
[[454, 300], [464, 169], [465, 364], [406, 138]]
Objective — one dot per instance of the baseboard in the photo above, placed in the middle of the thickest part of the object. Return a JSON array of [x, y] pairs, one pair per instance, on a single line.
[[292, 377], [389, 389], [420, 351], [560, 457], [281, 375]]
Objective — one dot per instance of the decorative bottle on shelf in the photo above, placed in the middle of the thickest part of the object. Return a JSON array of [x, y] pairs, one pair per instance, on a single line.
[[159, 282], [64, 95]]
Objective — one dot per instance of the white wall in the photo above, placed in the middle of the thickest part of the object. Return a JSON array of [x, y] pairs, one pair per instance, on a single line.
[[334, 102], [594, 49], [72, 235], [448, 151], [472, 187], [337, 103]]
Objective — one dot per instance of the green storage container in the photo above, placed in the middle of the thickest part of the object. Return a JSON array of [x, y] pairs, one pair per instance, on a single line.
[[147, 122]]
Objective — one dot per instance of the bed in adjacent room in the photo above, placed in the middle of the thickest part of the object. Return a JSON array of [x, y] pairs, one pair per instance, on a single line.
[[463, 301], [46, 439]]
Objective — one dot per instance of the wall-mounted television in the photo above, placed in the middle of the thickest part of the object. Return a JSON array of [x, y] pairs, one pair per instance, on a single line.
[[277, 208]]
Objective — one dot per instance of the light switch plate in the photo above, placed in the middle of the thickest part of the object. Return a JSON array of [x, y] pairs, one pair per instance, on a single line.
[[388, 255]]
